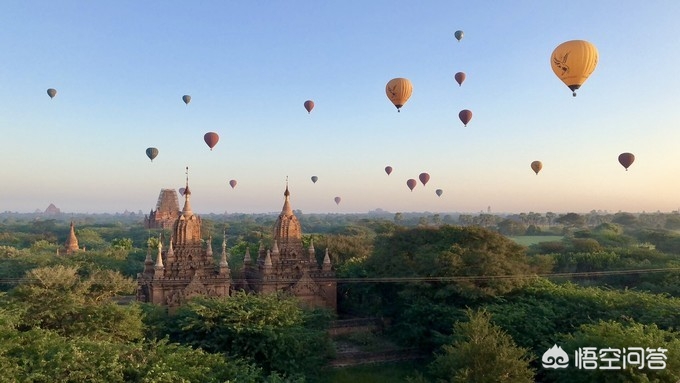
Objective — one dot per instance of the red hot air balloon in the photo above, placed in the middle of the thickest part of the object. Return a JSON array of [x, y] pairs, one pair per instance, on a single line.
[[626, 159], [232, 183], [181, 191], [411, 183], [424, 177], [465, 116], [337, 200], [309, 105], [388, 170], [439, 192], [211, 139], [460, 77]]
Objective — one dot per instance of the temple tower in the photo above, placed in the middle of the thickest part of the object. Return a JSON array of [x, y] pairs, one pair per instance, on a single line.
[[186, 268]]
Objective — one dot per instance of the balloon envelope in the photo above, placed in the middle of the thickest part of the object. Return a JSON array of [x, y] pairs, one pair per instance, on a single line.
[[411, 183], [186, 98], [399, 90], [232, 183], [151, 153], [211, 139], [465, 116], [573, 61], [309, 105], [51, 92], [439, 192], [626, 159], [424, 177], [460, 77], [459, 35], [388, 170], [536, 166], [337, 200], [315, 178], [181, 191]]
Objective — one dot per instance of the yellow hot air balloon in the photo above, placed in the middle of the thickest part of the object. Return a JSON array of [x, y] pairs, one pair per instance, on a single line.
[[573, 61], [398, 91]]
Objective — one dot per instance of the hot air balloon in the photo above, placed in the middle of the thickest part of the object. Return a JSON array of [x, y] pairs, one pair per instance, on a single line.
[[398, 91], [626, 159], [388, 170], [309, 105], [573, 61], [439, 192], [232, 183], [424, 177], [460, 77], [459, 35], [536, 166], [51, 92], [315, 178], [411, 183], [337, 200], [181, 191], [465, 116], [151, 153], [211, 139], [186, 98]]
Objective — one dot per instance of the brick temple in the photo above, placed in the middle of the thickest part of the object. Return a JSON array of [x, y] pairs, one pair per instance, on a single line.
[[185, 268]]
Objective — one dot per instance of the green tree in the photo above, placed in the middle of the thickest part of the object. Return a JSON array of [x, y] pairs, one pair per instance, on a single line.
[[481, 353], [614, 334], [271, 330], [59, 299]]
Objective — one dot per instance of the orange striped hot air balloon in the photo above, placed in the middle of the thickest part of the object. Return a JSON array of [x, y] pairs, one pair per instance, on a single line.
[[399, 90], [573, 62]]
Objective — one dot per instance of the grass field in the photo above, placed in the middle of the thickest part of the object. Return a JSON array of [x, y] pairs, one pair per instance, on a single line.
[[528, 240]]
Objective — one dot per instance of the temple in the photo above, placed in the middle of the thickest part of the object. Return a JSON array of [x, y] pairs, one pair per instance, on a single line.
[[166, 213], [287, 266], [186, 268], [71, 245]]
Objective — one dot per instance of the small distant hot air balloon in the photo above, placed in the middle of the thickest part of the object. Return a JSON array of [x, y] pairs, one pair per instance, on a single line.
[[315, 178], [186, 98], [337, 200], [465, 116], [232, 183], [411, 183], [424, 177], [51, 92], [388, 170], [460, 77], [573, 61], [536, 166], [439, 192], [626, 159], [181, 191], [211, 139], [309, 105], [151, 153], [399, 90], [459, 35]]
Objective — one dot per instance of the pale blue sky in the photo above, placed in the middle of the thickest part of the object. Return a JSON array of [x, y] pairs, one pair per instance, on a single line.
[[121, 68]]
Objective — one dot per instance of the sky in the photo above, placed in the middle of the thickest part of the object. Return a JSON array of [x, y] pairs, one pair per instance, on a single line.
[[121, 68]]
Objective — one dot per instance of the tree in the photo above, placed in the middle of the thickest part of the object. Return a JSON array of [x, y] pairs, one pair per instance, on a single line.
[[59, 299], [481, 353], [617, 335], [571, 220], [271, 330]]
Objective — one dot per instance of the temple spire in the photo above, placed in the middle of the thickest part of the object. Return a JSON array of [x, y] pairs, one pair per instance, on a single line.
[[186, 211], [209, 251], [71, 241], [287, 210], [159, 257]]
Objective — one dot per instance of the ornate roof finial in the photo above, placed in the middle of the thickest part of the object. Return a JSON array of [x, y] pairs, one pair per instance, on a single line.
[[187, 193]]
